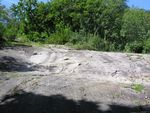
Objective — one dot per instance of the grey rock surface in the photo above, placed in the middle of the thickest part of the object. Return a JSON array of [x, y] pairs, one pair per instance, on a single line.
[[57, 79]]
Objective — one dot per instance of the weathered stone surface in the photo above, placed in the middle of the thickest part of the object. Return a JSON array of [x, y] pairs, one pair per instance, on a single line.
[[78, 78]]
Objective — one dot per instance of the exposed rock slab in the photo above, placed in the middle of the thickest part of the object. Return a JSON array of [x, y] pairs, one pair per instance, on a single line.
[[65, 75]]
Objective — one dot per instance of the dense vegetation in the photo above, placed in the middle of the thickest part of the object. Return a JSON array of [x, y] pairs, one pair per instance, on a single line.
[[106, 25]]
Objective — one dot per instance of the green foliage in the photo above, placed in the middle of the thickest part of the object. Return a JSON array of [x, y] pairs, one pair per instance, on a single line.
[[11, 30], [137, 87], [61, 36], [22, 38], [25, 13], [146, 46], [136, 47], [2, 39], [89, 42], [34, 36], [3, 13], [2, 29], [94, 17], [106, 25], [136, 25]]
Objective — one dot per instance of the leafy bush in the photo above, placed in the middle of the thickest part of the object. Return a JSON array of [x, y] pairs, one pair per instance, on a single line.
[[61, 36], [2, 29], [88, 41], [34, 36], [146, 46], [136, 47], [22, 38], [10, 34], [77, 37]]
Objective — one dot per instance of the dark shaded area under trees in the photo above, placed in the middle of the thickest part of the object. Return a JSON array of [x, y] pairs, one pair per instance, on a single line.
[[106, 25]]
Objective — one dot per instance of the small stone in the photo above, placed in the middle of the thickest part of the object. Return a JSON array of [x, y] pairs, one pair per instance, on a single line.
[[35, 53], [66, 59], [79, 64], [146, 97]]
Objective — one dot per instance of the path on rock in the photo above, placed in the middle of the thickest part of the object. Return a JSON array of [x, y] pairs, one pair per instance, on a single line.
[[81, 79]]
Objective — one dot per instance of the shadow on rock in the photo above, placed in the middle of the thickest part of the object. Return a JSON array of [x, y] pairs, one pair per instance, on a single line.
[[10, 64], [24, 102]]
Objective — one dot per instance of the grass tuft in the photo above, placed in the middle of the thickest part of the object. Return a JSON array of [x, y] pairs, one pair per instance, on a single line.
[[137, 87]]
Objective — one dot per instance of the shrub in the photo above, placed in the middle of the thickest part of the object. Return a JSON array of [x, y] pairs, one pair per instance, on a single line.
[[2, 29], [2, 40], [136, 47], [34, 36], [10, 34], [77, 37], [22, 38], [61, 36], [147, 46], [87, 41]]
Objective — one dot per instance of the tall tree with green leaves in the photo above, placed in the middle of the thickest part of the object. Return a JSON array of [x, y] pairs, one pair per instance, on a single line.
[[24, 12], [100, 17], [3, 19], [135, 25], [135, 29]]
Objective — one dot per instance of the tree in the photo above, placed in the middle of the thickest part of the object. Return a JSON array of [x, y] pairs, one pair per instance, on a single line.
[[3, 16], [135, 28], [135, 25], [24, 12]]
